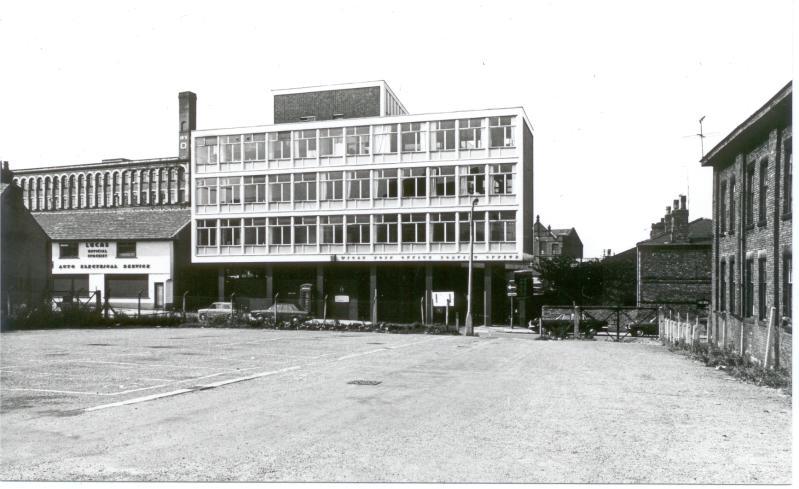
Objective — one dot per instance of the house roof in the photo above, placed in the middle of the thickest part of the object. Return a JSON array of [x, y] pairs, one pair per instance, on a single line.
[[114, 224], [700, 231]]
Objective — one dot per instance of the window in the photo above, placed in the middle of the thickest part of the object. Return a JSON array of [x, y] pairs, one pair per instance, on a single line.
[[442, 226], [230, 229], [230, 190], [762, 193], [127, 286], [386, 230], [304, 187], [385, 139], [414, 182], [749, 283], [71, 284], [308, 118], [126, 249], [331, 142], [750, 196], [305, 230], [231, 148], [722, 286], [206, 232], [442, 136], [280, 188], [555, 249], [386, 183], [501, 131], [332, 229], [502, 226], [787, 285], [207, 152], [358, 140], [414, 228], [280, 230], [206, 191], [732, 285], [502, 179], [280, 145], [442, 181], [358, 229], [473, 180], [67, 250], [358, 184], [255, 189], [412, 137], [471, 133], [761, 288], [255, 147], [332, 185], [787, 199], [723, 208], [305, 144], [732, 207], [255, 231], [479, 227]]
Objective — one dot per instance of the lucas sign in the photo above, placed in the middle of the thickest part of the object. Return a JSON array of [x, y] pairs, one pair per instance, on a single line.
[[443, 299]]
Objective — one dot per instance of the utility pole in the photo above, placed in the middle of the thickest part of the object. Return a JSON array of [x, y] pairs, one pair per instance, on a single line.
[[469, 324]]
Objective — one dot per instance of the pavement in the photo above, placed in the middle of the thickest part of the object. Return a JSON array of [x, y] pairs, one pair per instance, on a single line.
[[207, 404]]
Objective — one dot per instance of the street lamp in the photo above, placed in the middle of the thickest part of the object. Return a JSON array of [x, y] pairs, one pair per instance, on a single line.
[[468, 324]]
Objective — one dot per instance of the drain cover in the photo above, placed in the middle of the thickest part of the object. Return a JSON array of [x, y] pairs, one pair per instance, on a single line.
[[365, 382]]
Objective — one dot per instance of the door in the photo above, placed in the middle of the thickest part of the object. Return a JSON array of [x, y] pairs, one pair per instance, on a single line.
[[159, 295]]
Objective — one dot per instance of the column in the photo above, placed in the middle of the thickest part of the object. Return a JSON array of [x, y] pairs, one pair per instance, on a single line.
[[270, 291], [428, 293], [221, 283], [372, 289], [487, 294], [320, 290]]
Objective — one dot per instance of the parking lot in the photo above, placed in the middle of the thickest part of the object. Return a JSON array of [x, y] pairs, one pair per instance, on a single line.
[[264, 405]]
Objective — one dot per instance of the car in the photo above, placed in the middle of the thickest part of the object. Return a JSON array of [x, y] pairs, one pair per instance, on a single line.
[[285, 312], [563, 324], [644, 328], [217, 309]]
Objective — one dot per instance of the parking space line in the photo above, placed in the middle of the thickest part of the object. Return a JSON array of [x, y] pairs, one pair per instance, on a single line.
[[140, 364]]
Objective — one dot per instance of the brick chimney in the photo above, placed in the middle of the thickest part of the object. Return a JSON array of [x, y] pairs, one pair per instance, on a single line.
[[658, 228], [187, 117], [6, 175], [679, 221]]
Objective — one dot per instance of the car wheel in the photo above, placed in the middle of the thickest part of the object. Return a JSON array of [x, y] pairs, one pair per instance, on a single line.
[[636, 332], [203, 317]]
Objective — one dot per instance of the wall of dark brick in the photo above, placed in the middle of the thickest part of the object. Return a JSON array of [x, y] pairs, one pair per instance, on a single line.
[[351, 102], [675, 275]]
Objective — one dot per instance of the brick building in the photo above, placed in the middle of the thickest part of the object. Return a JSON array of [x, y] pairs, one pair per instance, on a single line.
[[673, 267], [551, 243], [24, 251], [348, 193], [752, 255]]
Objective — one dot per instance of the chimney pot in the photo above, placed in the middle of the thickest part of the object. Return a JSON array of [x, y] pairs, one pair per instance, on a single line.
[[683, 204], [668, 210], [676, 204]]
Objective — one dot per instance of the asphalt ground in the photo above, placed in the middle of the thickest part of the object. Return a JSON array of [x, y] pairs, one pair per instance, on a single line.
[[210, 404]]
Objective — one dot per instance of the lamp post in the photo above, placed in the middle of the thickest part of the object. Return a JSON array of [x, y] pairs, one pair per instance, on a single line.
[[469, 325]]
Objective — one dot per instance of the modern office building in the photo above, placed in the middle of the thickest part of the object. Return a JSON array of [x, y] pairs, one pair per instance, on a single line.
[[119, 226], [752, 252], [366, 203]]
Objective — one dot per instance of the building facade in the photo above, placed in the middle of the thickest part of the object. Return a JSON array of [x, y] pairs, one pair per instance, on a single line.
[[752, 253], [673, 267], [373, 212], [552, 243], [24, 267]]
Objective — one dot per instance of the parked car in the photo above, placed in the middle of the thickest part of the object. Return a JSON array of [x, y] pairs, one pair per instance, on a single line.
[[644, 328], [285, 312], [217, 309], [563, 324]]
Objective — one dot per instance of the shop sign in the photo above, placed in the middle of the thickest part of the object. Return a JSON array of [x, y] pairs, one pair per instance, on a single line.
[[443, 299], [342, 298], [97, 249]]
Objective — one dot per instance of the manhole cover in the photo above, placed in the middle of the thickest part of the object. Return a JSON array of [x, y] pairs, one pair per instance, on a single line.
[[365, 382]]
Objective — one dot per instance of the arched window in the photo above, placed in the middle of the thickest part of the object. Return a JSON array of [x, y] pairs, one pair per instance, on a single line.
[[73, 193], [134, 187], [32, 193], [24, 186], [98, 189], [144, 190], [163, 185], [153, 187], [117, 189], [181, 185], [108, 196], [40, 194], [81, 191], [48, 193]]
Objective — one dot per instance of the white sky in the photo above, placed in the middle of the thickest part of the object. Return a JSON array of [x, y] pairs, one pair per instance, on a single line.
[[614, 89]]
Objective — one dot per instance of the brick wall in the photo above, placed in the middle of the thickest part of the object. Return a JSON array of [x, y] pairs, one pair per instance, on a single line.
[[674, 275], [351, 103]]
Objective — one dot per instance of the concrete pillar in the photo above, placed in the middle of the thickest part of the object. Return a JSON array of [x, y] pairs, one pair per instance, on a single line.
[[320, 289], [487, 299], [428, 293], [372, 295], [270, 292], [221, 283]]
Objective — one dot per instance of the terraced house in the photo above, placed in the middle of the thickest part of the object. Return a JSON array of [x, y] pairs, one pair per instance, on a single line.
[[365, 203], [752, 253]]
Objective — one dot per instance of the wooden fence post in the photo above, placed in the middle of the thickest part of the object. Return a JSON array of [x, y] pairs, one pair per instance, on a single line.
[[768, 337], [742, 338]]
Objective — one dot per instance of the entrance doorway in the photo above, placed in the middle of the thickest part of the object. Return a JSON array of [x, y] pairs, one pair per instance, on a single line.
[[159, 295]]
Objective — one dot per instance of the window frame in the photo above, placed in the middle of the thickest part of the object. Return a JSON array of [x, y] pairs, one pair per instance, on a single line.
[[128, 253], [69, 246]]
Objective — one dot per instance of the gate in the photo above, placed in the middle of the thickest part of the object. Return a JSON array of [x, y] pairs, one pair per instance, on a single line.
[[616, 322]]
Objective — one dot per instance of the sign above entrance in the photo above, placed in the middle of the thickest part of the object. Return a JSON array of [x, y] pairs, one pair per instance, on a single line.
[[342, 298], [443, 299]]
